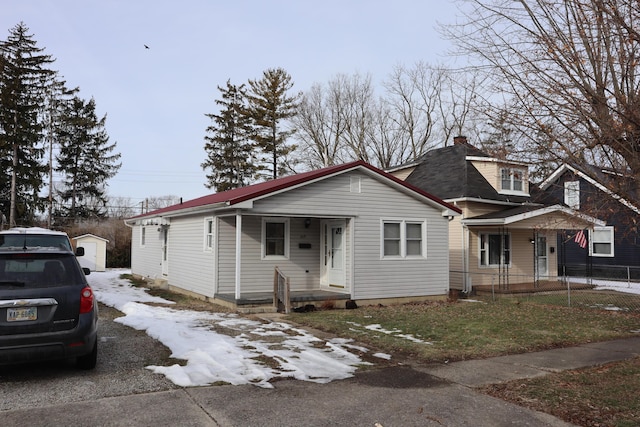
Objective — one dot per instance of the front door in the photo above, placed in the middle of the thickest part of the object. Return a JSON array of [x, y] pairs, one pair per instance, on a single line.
[[165, 259], [542, 259], [333, 256]]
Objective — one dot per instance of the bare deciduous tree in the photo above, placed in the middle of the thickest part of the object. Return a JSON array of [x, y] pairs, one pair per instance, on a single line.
[[570, 69]]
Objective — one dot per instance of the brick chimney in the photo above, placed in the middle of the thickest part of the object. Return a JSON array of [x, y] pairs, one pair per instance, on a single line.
[[460, 140]]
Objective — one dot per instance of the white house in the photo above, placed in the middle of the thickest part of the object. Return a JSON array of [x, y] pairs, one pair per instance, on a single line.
[[347, 232]]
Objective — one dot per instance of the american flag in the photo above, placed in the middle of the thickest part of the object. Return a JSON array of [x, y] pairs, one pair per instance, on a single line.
[[581, 239]]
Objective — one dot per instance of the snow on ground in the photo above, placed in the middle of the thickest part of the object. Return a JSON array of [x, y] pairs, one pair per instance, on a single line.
[[620, 286], [226, 347]]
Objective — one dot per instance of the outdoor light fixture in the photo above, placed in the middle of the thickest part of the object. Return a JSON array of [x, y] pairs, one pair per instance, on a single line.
[[532, 241], [307, 222]]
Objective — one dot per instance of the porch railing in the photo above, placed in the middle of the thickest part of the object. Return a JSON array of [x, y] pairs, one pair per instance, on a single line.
[[281, 291]]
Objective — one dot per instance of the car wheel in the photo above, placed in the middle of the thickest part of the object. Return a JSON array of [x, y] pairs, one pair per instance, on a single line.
[[88, 361]]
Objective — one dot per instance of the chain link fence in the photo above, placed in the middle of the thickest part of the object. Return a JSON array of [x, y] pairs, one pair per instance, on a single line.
[[615, 288]]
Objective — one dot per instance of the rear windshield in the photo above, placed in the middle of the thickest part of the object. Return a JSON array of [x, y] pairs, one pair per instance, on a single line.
[[26, 269], [35, 240]]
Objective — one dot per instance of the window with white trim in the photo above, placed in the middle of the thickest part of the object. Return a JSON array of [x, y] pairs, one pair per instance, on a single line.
[[512, 179], [495, 249], [572, 194], [403, 238], [275, 238], [601, 241], [208, 234]]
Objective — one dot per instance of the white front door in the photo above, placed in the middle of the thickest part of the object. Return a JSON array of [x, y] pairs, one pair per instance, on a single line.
[[542, 259], [165, 260], [333, 256]]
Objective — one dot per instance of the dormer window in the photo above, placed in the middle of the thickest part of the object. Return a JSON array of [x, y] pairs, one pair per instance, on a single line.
[[512, 179]]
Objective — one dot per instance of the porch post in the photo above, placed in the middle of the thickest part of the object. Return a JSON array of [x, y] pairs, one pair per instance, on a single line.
[[238, 252]]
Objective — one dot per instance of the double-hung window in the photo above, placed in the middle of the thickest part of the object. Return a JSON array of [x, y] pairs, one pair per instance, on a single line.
[[208, 234], [602, 241], [403, 238], [495, 249], [512, 179], [275, 237], [572, 194]]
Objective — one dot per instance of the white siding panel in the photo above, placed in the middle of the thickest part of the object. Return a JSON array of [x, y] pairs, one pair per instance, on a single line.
[[190, 266], [145, 260]]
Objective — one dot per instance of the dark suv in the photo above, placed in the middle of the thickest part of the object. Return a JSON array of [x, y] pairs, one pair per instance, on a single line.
[[47, 309]]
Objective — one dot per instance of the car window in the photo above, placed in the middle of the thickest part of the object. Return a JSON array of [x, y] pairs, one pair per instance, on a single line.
[[27, 269], [35, 240]]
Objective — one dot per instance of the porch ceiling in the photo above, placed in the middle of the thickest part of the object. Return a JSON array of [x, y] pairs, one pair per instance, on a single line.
[[555, 217]]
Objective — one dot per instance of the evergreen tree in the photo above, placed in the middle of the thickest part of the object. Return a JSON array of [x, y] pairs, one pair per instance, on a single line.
[[228, 145], [24, 77], [86, 161], [269, 105]]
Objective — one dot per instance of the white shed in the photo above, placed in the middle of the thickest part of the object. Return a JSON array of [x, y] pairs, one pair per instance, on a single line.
[[95, 251]]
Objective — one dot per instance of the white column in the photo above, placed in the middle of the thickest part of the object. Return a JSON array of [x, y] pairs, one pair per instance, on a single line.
[[238, 251]]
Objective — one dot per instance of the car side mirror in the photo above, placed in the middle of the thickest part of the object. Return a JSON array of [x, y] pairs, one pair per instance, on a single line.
[[80, 251], [86, 271]]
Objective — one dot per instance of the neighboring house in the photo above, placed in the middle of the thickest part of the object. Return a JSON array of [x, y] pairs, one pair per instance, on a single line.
[[95, 251], [502, 238], [611, 247], [343, 232]]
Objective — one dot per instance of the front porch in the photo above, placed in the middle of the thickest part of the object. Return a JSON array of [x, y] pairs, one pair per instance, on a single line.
[[262, 302], [530, 288]]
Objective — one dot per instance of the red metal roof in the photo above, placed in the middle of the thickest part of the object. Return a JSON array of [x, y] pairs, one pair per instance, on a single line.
[[254, 191]]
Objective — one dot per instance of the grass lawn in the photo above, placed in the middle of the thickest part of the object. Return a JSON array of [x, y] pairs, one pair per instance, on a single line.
[[471, 330], [437, 332]]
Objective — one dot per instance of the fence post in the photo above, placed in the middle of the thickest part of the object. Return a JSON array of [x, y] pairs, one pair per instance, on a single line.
[[628, 277], [493, 284]]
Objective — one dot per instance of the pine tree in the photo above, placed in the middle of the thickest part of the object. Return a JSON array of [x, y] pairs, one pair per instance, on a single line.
[[269, 105], [86, 161], [228, 146], [24, 77]]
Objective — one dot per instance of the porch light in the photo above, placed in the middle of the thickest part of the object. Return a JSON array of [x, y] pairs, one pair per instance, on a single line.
[[307, 222], [532, 241]]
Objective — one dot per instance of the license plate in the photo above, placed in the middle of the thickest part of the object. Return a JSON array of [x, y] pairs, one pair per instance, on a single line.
[[22, 314]]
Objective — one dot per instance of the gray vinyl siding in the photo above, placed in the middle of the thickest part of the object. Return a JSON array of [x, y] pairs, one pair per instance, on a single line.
[[302, 267], [191, 267], [367, 275], [375, 277], [145, 260]]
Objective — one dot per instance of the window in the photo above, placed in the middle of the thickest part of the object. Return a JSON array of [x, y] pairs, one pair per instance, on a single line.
[[403, 238], [602, 241], [495, 249], [572, 194], [275, 238], [512, 179], [208, 234], [143, 236], [392, 238]]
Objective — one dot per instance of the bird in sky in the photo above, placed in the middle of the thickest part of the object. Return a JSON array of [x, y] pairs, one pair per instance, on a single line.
[[146, 47]]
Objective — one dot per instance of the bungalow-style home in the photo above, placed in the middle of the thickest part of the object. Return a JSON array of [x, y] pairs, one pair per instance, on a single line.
[[612, 250], [347, 232], [503, 240]]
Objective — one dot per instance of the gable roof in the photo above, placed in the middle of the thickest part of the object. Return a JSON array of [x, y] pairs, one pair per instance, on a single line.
[[238, 196], [448, 174], [595, 176]]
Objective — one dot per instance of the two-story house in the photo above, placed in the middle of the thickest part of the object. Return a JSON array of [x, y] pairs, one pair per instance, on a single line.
[[502, 239], [612, 250]]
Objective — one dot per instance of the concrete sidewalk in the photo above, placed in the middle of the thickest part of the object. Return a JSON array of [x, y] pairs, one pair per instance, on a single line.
[[432, 395]]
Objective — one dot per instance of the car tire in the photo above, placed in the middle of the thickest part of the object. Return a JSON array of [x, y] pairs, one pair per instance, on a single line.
[[88, 361]]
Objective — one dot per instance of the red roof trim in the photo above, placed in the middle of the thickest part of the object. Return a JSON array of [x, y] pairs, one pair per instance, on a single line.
[[242, 194]]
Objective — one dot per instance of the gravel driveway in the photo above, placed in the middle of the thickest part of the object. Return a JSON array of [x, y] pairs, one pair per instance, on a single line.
[[123, 353]]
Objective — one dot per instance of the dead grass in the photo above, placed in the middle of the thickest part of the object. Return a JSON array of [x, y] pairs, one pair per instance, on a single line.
[[599, 396]]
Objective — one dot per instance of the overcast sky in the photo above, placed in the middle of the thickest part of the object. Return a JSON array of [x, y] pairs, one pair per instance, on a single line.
[[156, 99]]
